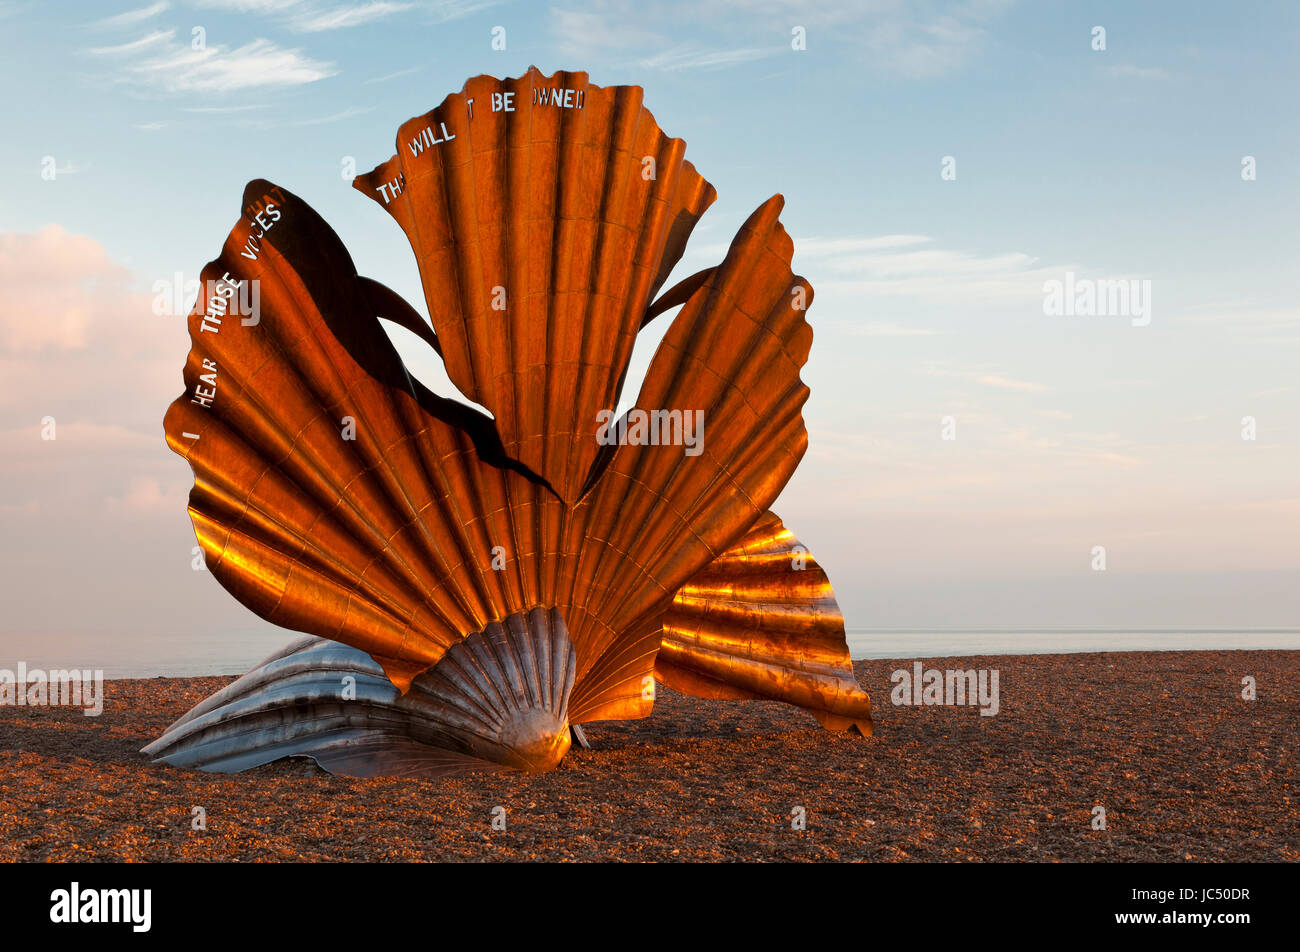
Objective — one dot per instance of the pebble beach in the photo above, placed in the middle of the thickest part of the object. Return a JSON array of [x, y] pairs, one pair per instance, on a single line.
[[1182, 767]]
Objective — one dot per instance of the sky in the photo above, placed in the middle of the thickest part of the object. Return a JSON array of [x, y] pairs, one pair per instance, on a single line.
[[942, 163]]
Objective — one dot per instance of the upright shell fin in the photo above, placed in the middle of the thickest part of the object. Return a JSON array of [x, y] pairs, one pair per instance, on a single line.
[[334, 494], [545, 213], [731, 361], [761, 623]]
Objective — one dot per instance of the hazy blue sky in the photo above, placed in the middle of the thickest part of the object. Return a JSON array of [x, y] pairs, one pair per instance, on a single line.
[[1071, 431]]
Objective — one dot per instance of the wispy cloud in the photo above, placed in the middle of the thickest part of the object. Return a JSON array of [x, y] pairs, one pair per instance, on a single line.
[[443, 11], [178, 68], [897, 256], [981, 376], [1007, 383], [1129, 71], [932, 273], [822, 247], [132, 17], [885, 329], [149, 494], [923, 42], [334, 117], [1248, 317], [883, 272], [219, 110], [875, 272], [345, 16], [153, 40], [249, 6], [310, 17], [389, 76], [601, 29], [689, 57], [920, 50]]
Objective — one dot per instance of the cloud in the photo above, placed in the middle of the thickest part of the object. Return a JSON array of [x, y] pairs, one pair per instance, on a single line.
[[1245, 317], [1129, 71], [600, 29], [72, 323], [147, 494], [921, 50], [343, 17], [908, 270], [824, 247], [132, 17], [334, 117], [149, 40], [923, 42], [95, 526], [306, 17], [904, 40], [995, 380], [29, 450], [909, 281], [441, 11], [249, 6], [79, 343], [688, 57], [885, 329], [221, 110], [883, 257], [388, 76], [53, 285], [179, 68], [937, 261], [1006, 383]]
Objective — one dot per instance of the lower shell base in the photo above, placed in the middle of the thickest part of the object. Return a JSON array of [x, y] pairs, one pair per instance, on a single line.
[[497, 700]]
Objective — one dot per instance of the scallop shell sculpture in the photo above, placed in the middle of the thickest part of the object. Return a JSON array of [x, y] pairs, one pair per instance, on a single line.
[[478, 586]]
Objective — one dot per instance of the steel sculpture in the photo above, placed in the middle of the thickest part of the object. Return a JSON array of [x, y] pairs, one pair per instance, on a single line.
[[477, 586]]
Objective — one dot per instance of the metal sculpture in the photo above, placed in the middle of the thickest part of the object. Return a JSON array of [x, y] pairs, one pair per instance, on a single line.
[[482, 585]]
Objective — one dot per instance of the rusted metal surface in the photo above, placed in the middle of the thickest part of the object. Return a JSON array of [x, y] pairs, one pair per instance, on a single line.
[[761, 623], [574, 203], [334, 494]]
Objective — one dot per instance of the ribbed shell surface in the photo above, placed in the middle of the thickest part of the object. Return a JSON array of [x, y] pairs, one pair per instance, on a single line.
[[335, 495], [498, 699], [761, 622], [545, 213]]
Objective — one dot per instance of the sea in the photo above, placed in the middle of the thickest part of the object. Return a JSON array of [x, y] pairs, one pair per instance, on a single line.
[[234, 652]]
